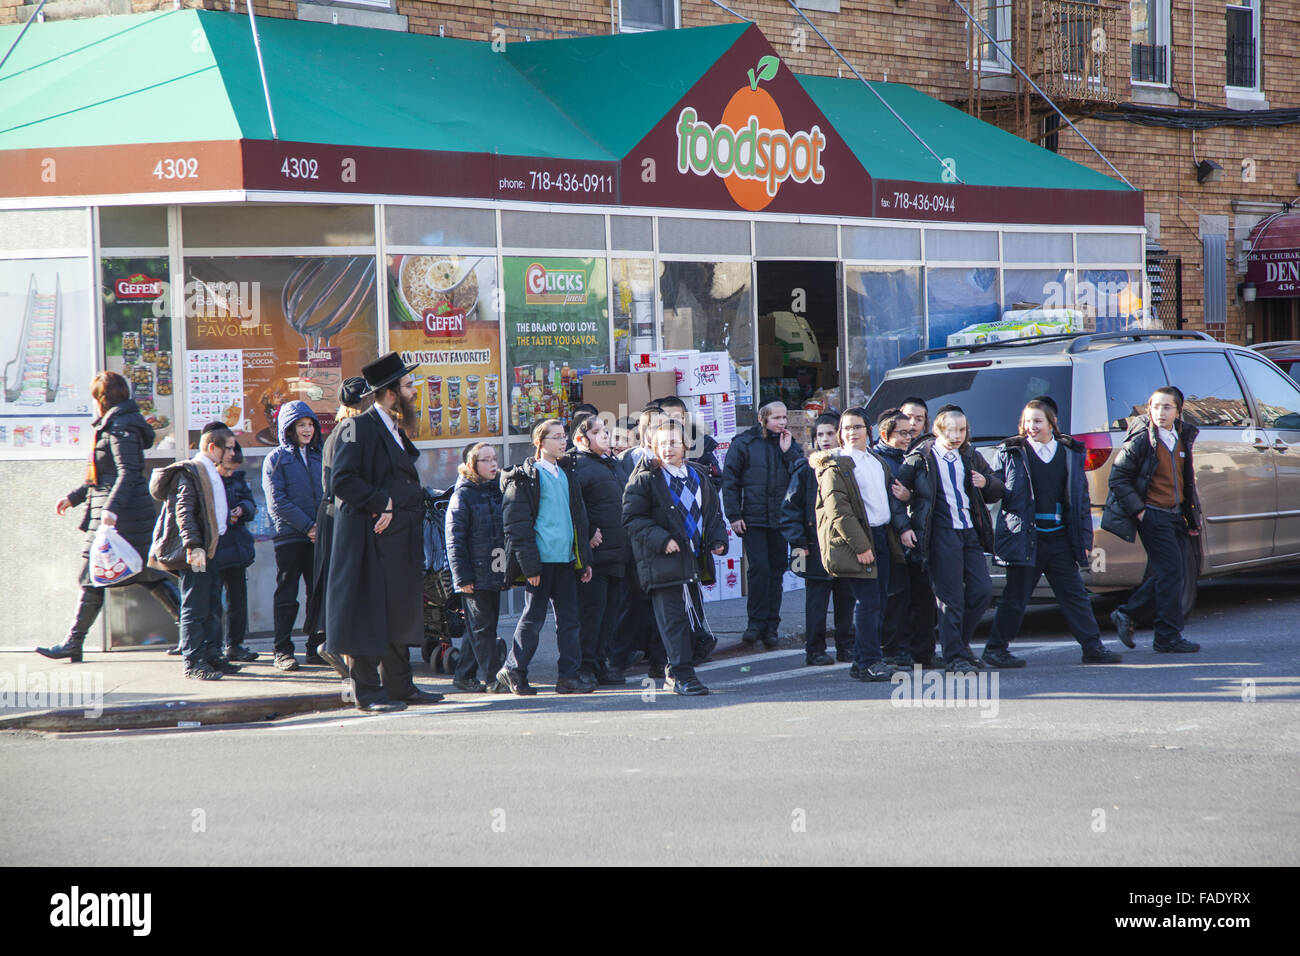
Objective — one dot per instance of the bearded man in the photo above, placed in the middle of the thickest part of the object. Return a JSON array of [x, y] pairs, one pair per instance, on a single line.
[[373, 611]]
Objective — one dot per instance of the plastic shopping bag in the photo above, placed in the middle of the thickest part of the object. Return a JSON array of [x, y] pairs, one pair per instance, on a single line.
[[112, 559]]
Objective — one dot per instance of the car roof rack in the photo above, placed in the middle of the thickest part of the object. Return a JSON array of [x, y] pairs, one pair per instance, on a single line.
[[1073, 342], [924, 354], [1082, 342]]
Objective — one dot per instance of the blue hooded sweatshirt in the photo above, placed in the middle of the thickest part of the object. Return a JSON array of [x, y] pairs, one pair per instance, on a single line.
[[291, 485]]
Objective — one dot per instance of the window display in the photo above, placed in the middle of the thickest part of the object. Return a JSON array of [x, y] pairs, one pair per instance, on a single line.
[[138, 338]]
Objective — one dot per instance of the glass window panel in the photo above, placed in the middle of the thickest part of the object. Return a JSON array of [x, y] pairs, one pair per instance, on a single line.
[[633, 233], [877, 242], [961, 245], [885, 323], [133, 227], [794, 239], [1037, 247], [236, 227], [710, 306], [445, 227], [959, 299], [1276, 396], [1129, 384], [633, 309], [1211, 394], [704, 236], [44, 229], [1110, 299], [552, 230], [1048, 288], [1100, 247]]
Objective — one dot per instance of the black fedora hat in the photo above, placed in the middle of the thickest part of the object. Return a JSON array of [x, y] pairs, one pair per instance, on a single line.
[[385, 370]]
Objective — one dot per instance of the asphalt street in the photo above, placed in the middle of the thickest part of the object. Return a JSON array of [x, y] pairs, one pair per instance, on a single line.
[[1166, 760]]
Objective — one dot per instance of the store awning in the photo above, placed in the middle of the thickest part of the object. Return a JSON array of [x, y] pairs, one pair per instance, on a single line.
[[1273, 262], [173, 101]]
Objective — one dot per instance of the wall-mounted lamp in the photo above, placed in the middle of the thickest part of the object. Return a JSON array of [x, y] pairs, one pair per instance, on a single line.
[[1208, 171], [1248, 292]]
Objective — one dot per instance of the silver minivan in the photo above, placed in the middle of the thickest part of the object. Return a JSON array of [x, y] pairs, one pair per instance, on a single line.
[[1247, 456]]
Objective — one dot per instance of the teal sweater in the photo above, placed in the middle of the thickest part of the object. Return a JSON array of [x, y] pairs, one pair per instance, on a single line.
[[554, 525]]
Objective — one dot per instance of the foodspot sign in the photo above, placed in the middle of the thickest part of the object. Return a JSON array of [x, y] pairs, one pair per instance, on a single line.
[[748, 137]]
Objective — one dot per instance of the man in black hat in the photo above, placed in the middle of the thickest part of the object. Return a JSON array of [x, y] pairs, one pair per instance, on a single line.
[[373, 610]]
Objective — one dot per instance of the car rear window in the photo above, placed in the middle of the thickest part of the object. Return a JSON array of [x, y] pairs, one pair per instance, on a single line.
[[1129, 383], [992, 398]]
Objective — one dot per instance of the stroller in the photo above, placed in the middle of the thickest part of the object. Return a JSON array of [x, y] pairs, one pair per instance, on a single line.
[[444, 617]]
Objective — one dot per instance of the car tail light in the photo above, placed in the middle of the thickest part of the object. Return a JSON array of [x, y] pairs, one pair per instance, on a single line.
[[1097, 447], [982, 363]]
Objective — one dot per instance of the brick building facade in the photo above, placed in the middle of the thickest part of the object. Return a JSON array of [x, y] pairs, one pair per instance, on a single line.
[[1183, 110]]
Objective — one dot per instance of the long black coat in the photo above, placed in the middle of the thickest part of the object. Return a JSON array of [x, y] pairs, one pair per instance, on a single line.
[[121, 438], [314, 615], [652, 518], [374, 580], [799, 520]]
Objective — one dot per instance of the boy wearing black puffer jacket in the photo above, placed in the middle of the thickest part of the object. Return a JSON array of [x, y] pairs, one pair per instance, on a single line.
[[600, 600], [235, 554], [674, 521]]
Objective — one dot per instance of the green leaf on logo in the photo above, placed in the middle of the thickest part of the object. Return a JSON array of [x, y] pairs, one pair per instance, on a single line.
[[767, 68]]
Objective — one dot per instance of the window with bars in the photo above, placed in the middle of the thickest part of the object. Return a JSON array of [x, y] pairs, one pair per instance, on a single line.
[[640, 15], [1242, 45], [995, 17], [1149, 40]]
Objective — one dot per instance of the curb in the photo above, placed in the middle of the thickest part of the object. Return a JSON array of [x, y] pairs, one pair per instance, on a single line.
[[235, 710]]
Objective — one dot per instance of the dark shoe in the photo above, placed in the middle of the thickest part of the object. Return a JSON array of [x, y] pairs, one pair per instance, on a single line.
[[962, 666], [573, 685], [286, 662], [1100, 655], [771, 638], [655, 672], [174, 651], [422, 697], [223, 665], [935, 662], [703, 649], [515, 682], [818, 660], [314, 658], [591, 681], [752, 635], [613, 677], [1178, 646], [336, 662], [844, 654], [1123, 627], [202, 672], [901, 661], [1002, 660], [691, 687], [69, 650], [494, 686], [241, 654], [470, 685], [878, 671], [636, 657], [381, 707]]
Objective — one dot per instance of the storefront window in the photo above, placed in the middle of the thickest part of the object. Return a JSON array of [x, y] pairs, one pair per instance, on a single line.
[[709, 306], [552, 230], [133, 227], [631, 233], [556, 329], [1047, 288], [1111, 299], [880, 242], [634, 310], [47, 358], [235, 227], [961, 245], [709, 237], [958, 299], [885, 323], [446, 228], [260, 331], [442, 315], [1037, 247], [138, 337], [1104, 248]]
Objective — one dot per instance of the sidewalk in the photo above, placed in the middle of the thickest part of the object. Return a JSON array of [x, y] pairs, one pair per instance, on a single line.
[[145, 688]]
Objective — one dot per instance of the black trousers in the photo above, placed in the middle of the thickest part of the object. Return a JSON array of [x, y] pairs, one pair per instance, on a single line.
[[382, 678], [1053, 558], [767, 554], [293, 561], [959, 576], [600, 602], [636, 629], [558, 588], [1164, 535], [909, 612], [234, 585], [682, 633], [479, 654], [817, 597]]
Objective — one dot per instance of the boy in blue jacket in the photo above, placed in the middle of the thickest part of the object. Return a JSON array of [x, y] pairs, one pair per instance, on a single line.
[[291, 481], [235, 553]]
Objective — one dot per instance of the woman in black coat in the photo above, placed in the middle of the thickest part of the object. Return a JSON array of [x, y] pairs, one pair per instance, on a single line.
[[600, 600], [116, 494], [476, 543]]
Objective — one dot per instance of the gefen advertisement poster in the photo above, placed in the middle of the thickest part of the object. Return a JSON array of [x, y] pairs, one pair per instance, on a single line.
[[443, 316], [557, 330], [261, 331], [138, 338], [47, 355]]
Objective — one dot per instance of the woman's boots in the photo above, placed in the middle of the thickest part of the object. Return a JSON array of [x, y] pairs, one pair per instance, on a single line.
[[92, 599]]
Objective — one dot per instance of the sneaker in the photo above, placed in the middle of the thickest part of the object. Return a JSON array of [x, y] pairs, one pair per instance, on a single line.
[[844, 654], [1124, 627], [878, 671], [313, 658], [962, 666], [286, 662], [771, 637], [1100, 655], [202, 672], [223, 665], [612, 677], [902, 661], [818, 660], [470, 685], [1177, 646], [515, 682], [573, 685], [691, 687], [174, 651], [752, 635], [241, 654], [1001, 660]]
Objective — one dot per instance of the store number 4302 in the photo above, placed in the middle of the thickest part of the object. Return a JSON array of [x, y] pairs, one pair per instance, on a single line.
[[183, 168]]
